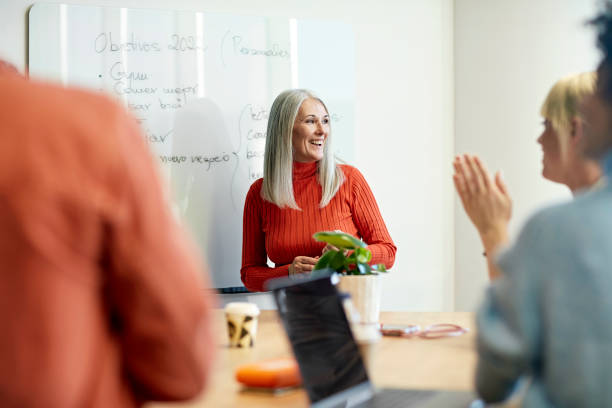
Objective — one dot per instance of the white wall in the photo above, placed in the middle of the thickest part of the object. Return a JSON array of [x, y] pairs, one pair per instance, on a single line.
[[433, 79], [507, 56], [404, 120]]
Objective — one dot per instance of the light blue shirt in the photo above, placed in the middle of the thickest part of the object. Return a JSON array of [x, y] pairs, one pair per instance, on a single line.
[[550, 314]]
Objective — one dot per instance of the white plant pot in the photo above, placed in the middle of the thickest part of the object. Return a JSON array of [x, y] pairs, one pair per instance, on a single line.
[[366, 292]]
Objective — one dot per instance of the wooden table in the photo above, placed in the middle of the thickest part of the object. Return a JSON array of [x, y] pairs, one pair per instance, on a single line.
[[418, 363]]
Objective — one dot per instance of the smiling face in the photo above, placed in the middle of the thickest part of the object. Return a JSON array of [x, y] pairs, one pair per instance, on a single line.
[[552, 163], [310, 131]]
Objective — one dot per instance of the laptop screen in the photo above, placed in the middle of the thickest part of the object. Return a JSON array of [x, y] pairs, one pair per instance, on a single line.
[[320, 335]]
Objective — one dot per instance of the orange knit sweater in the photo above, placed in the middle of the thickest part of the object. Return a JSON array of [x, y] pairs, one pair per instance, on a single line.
[[283, 234]]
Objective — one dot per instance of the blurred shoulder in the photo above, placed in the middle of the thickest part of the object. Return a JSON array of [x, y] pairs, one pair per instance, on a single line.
[[561, 239], [549, 220], [560, 228], [45, 100], [589, 207]]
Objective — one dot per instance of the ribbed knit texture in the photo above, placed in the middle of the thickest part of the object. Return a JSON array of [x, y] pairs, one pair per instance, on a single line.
[[283, 234]]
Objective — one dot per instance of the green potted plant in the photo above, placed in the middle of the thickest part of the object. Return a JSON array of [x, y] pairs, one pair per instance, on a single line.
[[350, 259]]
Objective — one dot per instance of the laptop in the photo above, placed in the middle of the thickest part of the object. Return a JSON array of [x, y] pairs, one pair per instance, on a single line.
[[333, 372]]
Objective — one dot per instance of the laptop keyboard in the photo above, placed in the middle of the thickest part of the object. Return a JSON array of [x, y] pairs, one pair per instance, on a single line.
[[390, 398]]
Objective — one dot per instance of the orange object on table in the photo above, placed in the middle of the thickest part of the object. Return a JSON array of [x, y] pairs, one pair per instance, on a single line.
[[274, 373]]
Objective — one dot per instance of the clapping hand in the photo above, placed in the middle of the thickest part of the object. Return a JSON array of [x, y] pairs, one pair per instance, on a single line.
[[485, 200]]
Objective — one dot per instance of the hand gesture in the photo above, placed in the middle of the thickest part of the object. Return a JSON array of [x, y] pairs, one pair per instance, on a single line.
[[302, 264], [486, 201]]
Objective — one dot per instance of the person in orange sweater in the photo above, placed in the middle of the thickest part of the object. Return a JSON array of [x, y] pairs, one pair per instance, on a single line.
[[304, 191], [103, 300]]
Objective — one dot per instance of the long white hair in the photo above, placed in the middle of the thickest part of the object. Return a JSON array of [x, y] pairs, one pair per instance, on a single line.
[[278, 157]]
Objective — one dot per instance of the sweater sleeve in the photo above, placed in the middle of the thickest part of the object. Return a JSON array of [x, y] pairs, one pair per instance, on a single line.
[[509, 339], [369, 221], [255, 270]]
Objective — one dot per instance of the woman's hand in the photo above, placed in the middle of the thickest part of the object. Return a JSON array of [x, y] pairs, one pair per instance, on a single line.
[[302, 264], [486, 201], [330, 247]]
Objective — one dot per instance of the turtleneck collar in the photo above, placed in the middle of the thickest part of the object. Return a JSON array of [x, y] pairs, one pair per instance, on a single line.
[[304, 170]]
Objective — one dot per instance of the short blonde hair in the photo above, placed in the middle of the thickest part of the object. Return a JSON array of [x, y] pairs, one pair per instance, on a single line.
[[278, 156], [563, 100]]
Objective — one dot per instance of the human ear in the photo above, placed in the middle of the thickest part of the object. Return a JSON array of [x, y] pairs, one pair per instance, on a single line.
[[576, 130]]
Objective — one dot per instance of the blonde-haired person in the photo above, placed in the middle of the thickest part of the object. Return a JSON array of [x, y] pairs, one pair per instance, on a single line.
[[303, 191], [486, 199]]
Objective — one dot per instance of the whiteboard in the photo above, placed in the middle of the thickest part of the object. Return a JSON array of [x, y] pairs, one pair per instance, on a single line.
[[201, 85]]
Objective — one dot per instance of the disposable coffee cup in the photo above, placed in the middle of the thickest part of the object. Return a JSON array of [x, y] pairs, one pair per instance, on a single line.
[[367, 337], [241, 323]]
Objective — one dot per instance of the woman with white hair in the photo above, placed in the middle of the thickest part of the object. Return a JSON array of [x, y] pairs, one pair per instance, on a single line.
[[304, 191], [486, 200]]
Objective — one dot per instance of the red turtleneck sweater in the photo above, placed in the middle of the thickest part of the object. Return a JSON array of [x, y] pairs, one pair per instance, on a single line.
[[283, 234]]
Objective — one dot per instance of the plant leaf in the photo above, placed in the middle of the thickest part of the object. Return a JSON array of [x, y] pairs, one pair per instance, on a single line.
[[362, 255], [337, 261], [324, 260], [340, 240]]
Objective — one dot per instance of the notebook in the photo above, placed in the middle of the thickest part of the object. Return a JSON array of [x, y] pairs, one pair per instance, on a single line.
[[333, 372]]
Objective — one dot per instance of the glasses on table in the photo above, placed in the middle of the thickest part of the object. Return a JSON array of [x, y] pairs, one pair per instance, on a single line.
[[432, 331]]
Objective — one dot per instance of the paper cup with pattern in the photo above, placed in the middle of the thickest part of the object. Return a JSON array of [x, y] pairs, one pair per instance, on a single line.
[[241, 323]]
